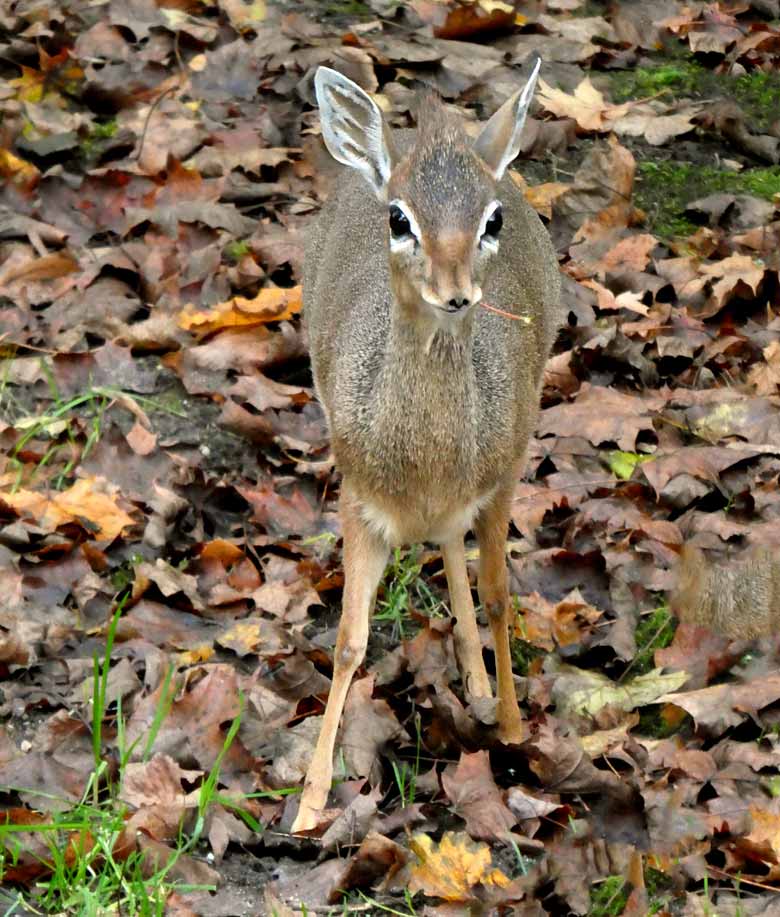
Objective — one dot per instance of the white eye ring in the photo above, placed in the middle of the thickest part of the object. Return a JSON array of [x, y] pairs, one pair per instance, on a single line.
[[488, 244], [399, 245]]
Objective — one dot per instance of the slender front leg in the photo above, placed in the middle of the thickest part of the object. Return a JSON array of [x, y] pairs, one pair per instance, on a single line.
[[491, 530], [468, 647], [365, 556]]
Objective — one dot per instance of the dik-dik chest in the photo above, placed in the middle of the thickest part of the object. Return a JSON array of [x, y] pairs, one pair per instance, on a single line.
[[440, 516]]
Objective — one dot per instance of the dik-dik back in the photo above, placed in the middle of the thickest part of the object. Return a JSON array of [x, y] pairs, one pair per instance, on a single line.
[[427, 394]]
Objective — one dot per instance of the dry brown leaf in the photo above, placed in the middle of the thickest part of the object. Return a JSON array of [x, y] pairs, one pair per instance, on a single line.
[[737, 275], [766, 376], [141, 440], [765, 831], [607, 300], [476, 797], [158, 782], [451, 869], [656, 125], [586, 105]]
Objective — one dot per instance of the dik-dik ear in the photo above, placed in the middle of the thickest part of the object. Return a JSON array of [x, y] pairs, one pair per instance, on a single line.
[[353, 128], [499, 141]]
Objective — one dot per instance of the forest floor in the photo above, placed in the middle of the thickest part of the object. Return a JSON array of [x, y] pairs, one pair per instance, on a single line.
[[170, 552]]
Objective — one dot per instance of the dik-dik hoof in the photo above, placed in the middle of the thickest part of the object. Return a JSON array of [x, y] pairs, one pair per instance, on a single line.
[[313, 802], [512, 733], [307, 819]]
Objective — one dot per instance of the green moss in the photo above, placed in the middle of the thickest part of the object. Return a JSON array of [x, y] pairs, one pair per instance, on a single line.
[[664, 189], [654, 632], [236, 250], [609, 897], [758, 94], [355, 9], [659, 886], [653, 724], [92, 144], [104, 131], [678, 78], [523, 654]]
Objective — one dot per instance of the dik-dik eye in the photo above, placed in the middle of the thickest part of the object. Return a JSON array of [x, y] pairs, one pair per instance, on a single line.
[[493, 224], [400, 227]]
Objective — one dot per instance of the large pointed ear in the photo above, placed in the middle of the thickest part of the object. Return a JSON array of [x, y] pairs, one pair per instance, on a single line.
[[499, 141], [353, 128]]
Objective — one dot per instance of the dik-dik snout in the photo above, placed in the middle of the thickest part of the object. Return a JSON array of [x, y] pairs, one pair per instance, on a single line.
[[440, 260]]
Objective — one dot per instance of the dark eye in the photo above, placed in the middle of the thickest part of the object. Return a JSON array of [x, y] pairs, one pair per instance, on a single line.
[[399, 223], [494, 224]]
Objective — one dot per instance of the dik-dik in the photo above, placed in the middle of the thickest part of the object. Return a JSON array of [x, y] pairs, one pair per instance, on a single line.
[[430, 399]]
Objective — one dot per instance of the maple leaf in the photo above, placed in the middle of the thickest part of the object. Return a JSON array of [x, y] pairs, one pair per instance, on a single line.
[[452, 869], [587, 106], [87, 500]]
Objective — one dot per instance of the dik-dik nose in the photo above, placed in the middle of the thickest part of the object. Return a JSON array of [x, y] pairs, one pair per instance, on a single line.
[[458, 302]]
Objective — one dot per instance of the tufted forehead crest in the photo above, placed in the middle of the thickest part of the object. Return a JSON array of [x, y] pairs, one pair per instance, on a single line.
[[443, 178]]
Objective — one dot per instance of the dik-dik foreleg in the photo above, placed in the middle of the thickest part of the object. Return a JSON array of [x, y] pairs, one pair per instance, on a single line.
[[468, 647], [365, 556], [491, 530]]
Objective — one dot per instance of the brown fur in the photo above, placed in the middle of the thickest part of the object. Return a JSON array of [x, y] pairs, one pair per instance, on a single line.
[[422, 432], [430, 399], [738, 599]]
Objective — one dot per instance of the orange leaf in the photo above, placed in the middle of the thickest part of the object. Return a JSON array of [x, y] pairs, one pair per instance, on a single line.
[[86, 501], [272, 304]]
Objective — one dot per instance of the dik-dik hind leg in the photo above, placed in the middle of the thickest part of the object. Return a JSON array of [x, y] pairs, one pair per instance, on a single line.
[[491, 531], [365, 556], [468, 647]]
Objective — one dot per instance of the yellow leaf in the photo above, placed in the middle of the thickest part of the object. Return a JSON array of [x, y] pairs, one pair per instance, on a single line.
[[86, 501], [30, 85], [201, 653], [272, 304], [497, 6], [452, 869], [243, 637], [542, 197], [244, 14], [18, 170]]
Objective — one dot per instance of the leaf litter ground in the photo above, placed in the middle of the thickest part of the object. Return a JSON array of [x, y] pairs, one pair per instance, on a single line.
[[169, 542]]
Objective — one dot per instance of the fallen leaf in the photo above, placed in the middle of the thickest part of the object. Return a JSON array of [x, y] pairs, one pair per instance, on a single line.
[[453, 868], [272, 304], [476, 798], [91, 502], [586, 105]]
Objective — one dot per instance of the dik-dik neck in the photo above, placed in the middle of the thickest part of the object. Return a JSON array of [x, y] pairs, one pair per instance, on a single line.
[[429, 338]]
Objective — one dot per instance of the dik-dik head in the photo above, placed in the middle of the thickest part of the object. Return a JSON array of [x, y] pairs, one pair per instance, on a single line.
[[444, 213]]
